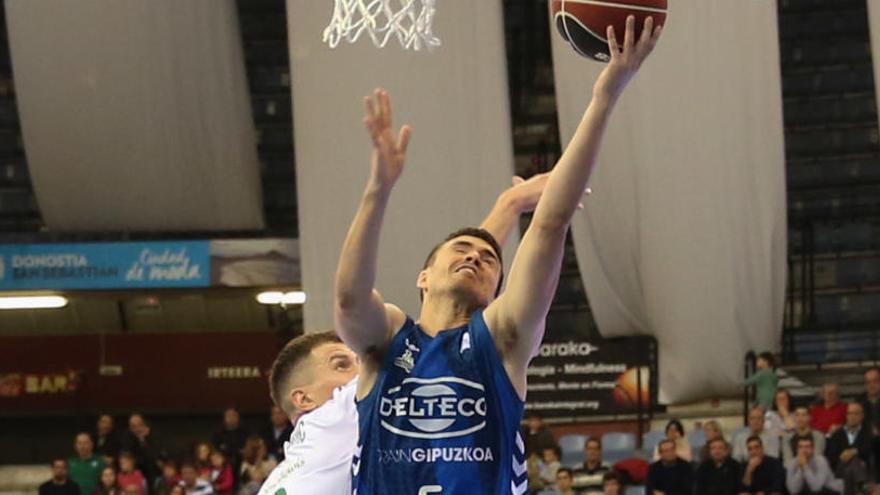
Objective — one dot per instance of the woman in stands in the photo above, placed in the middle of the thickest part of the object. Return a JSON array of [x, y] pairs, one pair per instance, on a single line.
[[675, 432]]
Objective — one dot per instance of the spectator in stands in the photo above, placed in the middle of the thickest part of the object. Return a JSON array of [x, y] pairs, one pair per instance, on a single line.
[[870, 401], [178, 490], [719, 474], [762, 473], [537, 436], [255, 467], [536, 484], [107, 443], [769, 441], [669, 475], [563, 482], [849, 450], [587, 479], [809, 473], [802, 430], [145, 447], [107, 483], [169, 479], [85, 467], [202, 455], [675, 432], [549, 464], [711, 430], [611, 484], [222, 479], [60, 484], [764, 379], [231, 437], [830, 413], [129, 475], [190, 481], [780, 419], [277, 433]]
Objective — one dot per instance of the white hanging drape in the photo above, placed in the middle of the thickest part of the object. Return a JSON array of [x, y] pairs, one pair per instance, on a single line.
[[136, 114], [684, 237]]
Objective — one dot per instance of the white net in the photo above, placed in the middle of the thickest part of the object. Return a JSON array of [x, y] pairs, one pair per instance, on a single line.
[[407, 20]]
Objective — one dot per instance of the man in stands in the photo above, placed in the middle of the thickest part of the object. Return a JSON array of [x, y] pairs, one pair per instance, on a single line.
[[830, 414], [60, 484], [802, 429], [808, 473], [231, 437], [277, 433], [85, 466], [191, 482], [146, 449], [107, 444], [588, 478], [870, 402], [849, 449], [769, 441], [670, 475], [762, 474], [719, 474]]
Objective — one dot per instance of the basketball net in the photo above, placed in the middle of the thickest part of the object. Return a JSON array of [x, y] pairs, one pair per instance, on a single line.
[[407, 20]]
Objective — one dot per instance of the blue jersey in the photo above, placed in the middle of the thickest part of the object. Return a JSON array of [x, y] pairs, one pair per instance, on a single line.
[[442, 417]]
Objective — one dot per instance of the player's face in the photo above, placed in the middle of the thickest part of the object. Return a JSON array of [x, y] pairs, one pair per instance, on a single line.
[[334, 365], [464, 265]]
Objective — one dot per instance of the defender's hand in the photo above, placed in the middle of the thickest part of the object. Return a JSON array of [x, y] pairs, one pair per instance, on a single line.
[[389, 152], [626, 59]]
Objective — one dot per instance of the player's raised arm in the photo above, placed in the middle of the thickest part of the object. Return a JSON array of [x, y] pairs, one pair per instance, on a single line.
[[517, 316], [363, 320]]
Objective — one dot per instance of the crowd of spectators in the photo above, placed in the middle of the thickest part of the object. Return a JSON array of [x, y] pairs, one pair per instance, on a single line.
[[135, 462], [829, 447]]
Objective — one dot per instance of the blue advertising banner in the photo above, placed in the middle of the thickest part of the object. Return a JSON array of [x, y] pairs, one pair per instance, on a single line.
[[122, 265]]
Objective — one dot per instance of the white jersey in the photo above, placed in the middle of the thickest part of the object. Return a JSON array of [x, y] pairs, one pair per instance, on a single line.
[[317, 458]]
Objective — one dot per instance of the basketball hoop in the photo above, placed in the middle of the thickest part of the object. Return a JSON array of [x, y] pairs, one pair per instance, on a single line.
[[407, 20]]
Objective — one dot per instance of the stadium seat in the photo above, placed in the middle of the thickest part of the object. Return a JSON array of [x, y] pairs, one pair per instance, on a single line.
[[572, 447], [635, 490], [650, 439], [618, 446]]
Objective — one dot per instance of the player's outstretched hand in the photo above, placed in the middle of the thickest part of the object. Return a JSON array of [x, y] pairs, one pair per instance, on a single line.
[[626, 59], [389, 151]]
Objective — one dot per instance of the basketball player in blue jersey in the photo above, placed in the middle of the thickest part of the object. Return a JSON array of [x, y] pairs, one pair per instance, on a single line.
[[440, 399], [314, 379]]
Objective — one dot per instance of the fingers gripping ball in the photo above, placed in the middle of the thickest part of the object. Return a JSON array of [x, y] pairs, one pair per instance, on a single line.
[[583, 23]]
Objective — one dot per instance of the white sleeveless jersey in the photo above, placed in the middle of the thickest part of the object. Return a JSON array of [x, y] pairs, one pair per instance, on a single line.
[[317, 458]]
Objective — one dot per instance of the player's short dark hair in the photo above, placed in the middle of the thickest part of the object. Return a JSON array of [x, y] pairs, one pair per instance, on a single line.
[[755, 438], [290, 358], [471, 232]]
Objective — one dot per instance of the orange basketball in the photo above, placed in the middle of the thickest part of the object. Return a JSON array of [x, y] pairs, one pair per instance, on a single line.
[[583, 23]]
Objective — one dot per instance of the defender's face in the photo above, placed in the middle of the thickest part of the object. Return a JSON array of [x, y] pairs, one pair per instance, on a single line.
[[465, 265], [333, 365]]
